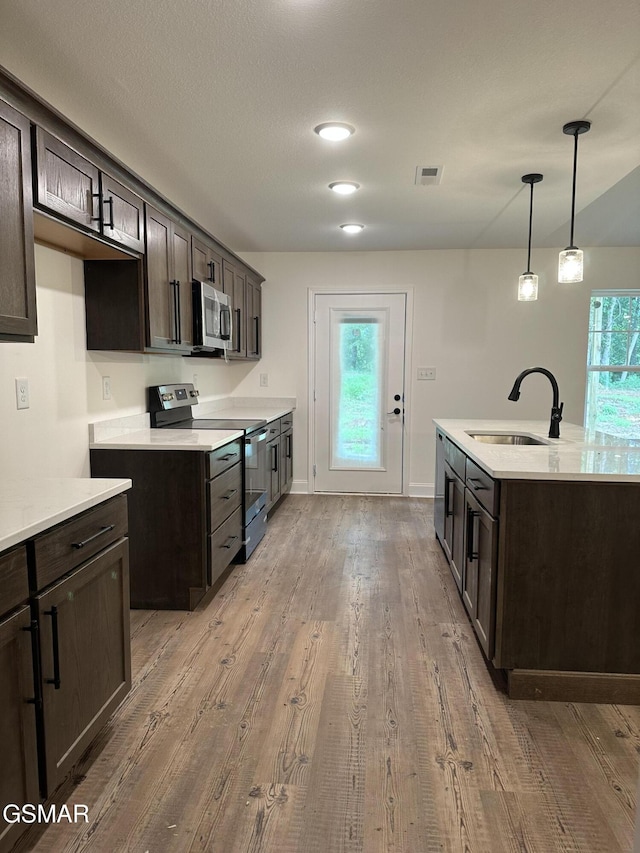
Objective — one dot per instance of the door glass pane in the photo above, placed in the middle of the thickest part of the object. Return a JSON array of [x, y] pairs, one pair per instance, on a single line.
[[357, 390]]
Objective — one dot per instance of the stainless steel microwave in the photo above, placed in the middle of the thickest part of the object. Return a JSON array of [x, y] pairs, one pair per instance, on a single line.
[[211, 318]]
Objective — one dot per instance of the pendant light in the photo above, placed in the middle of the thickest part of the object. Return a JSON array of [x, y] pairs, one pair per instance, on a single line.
[[528, 281], [570, 263]]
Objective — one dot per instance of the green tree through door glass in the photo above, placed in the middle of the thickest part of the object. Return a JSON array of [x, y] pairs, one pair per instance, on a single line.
[[358, 427]]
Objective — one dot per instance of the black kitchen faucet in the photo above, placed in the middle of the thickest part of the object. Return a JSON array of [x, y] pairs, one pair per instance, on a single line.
[[556, 408]]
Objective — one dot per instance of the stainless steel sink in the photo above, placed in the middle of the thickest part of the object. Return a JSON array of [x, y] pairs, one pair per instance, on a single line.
[[514, 438]]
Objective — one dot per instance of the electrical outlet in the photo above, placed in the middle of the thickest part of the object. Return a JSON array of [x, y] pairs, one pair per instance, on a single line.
[[106, 387], [426, 373], [264, 380], [22, 393]]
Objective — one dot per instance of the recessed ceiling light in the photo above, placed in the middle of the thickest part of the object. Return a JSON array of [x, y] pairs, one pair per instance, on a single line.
[[334, 130], [344, 187], [352, 228]]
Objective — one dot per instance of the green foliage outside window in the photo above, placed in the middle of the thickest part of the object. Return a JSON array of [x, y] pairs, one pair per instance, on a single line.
[[613, 364]]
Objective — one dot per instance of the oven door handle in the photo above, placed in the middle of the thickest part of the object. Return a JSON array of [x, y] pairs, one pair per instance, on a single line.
[[260, 436]]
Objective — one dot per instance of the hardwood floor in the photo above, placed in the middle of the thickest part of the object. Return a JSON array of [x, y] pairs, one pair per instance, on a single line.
[[332, 697]]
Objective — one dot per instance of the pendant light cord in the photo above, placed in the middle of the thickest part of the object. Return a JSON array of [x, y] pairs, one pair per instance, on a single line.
[[573, 190], [530, 226]]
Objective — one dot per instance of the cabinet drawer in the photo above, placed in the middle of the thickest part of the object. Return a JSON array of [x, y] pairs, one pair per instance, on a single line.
[[274, 428], [224, 544], [71, 543], [484, 488], [225, 496], [455, 457], [223, 457], [286, 422], [14, 579]]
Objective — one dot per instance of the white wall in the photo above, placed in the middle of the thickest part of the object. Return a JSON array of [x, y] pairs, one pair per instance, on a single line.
[[467, 323], [51, 437]]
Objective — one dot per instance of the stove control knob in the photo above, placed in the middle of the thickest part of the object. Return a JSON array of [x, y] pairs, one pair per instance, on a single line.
[[167, 397], [194, 393]]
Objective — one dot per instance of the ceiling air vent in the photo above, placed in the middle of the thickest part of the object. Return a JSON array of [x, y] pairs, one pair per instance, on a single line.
[[428, 176]]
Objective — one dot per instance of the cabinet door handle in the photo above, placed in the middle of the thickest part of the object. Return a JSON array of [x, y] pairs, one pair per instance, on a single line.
[[289, 445], [34, 630], [256, 320], [274, 463], [229, 495], [228, 544], [239, 316], [56, 649], [227, 457], [448, 503], [174, 294], [109, 202], [479, 487], [472, 515], [179, 314], [100, 532], [212, 271]]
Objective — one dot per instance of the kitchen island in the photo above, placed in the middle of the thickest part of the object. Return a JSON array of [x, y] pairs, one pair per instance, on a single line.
[[543, 541]]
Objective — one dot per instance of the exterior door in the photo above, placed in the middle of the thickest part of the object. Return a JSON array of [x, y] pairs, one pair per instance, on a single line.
[[359, 392]]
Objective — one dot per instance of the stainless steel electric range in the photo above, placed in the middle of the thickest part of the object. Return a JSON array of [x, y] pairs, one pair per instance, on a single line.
[[170, 407]]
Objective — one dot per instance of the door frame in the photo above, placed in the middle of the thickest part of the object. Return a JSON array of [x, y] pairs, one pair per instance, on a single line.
[[312, 292]]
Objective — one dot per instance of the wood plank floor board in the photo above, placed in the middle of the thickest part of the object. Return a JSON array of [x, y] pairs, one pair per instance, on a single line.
[[332, 698]]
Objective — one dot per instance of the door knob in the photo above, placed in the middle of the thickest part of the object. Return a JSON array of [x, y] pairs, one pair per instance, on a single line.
[[397, 398], [396, 411]]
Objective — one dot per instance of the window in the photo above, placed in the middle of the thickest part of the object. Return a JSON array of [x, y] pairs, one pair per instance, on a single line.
[[613, 363]]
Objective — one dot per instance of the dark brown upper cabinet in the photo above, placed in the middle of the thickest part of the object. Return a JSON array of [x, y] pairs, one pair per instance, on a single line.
[[207, 263], [235, 285], [122, 214], [254, 318], [168, 283], [17, 276], [143, 305], [69, 186]]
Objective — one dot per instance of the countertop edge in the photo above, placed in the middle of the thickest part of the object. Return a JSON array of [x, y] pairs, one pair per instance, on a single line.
[[555, 451], [107, 488]]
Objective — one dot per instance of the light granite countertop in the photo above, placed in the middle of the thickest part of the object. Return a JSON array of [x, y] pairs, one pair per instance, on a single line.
[[577, 455], [30, 506], [203, 440]]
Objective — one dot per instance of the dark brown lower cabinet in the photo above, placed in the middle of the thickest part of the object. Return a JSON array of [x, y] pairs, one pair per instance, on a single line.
[[185, 519], [454, 518], [19, 776], [86, 670], [65, 659], [479, 578]]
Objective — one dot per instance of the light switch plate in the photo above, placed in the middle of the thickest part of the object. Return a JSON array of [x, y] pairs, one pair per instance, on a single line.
[[426, 373]]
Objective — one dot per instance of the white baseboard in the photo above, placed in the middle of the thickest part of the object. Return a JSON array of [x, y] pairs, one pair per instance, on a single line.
[[421, 490], [416, 490]]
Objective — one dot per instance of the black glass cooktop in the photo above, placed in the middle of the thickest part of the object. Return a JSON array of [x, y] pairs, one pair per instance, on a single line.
[[219, 423]]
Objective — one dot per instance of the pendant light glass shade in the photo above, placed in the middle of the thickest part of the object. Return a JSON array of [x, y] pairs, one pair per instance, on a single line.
[[571, 260], [570, 266], [528, 281], [527, 287]]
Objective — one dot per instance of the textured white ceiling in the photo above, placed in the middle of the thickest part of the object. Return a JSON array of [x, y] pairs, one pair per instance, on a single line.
[[213, 102]]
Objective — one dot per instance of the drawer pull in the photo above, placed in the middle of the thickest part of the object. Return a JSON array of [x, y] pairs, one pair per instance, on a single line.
[[229, 494], [56, 650], [100, 532], [228, 544], [227, 457], [480, 485]]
